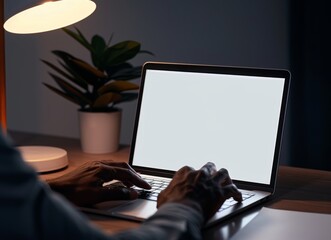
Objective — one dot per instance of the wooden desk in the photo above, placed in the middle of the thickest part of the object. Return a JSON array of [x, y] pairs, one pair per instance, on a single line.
[[297, 189]]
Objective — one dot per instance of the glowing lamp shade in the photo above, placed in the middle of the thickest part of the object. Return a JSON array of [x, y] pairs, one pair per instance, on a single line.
[[49, 15]]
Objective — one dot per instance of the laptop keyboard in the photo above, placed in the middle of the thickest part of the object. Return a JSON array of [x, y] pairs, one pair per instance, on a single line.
[[230, 202], [158, 184]]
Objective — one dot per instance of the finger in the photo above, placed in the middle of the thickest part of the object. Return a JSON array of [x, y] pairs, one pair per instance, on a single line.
[[222, 177], [128, 177], [124, 165], [117, 164], [231, 191], [209, 168], [108, 171], [116, 193], [184, 170], [204, 172], [127, 184], [112, 163], [228, 188]]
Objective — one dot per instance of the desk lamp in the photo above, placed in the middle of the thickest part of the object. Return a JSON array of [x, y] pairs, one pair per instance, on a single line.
[[41, 16]]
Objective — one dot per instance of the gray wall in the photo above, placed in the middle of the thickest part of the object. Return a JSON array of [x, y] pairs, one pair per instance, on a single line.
[[228, 32]]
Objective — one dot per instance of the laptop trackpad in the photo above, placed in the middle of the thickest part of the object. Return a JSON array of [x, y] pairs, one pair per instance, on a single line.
[[138, 210]]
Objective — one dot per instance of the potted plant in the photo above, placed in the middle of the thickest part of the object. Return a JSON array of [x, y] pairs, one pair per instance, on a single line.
[[98, 87]]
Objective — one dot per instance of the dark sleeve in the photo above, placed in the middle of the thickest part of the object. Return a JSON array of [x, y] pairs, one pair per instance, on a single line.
[[172, 221], [30, 210]]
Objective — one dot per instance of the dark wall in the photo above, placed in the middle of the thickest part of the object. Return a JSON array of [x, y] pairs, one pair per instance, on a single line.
[[290, 34], [310, 99], [228, 32]]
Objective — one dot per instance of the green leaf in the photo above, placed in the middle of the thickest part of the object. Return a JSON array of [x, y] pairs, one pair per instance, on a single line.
[[147, 52], [71, 78], [124, 73], [126, 97], [71, 90], [79, 37], [97, 54], [122, 52], [110, 39], [98, 45], [81, 82], [63, 55], [65, 95], [77, 78], [80, 68], [118, 86], [104, 100], [84, 66]]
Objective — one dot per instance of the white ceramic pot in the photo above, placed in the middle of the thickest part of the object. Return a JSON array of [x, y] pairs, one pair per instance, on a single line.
[[100, 131]]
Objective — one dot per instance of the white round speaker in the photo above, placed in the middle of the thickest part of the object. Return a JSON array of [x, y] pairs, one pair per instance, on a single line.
[[44, 159]]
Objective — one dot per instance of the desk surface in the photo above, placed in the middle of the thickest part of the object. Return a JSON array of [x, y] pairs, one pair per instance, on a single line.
[[297, 189]]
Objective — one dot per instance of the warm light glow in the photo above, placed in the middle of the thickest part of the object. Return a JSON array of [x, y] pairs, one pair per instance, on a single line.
[[49, 16]]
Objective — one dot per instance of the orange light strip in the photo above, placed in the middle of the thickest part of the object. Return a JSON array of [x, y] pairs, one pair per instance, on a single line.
[[3, 119]]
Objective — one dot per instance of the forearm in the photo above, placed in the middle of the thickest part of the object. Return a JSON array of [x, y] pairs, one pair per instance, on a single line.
[[57, 186]]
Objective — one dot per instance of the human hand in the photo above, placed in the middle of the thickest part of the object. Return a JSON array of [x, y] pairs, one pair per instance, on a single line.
[[205, 189], [85, 185]]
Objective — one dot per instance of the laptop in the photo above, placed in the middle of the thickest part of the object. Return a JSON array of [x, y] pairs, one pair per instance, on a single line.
[[191, 114]]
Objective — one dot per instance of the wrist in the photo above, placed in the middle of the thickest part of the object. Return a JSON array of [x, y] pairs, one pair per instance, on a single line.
[[55, 186], [185, 214], [192, 204]]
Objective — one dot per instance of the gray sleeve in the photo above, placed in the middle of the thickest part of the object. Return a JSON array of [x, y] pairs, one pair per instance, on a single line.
[[171, 222], [30, 210]]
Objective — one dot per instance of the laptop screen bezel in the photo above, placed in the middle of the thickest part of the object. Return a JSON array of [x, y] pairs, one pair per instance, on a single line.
[[263, 72]]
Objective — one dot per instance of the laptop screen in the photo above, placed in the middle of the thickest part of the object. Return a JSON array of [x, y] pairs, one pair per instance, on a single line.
[[190, 117]]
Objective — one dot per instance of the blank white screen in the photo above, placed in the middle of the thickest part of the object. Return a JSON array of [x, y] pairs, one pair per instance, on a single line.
[[193, 118]]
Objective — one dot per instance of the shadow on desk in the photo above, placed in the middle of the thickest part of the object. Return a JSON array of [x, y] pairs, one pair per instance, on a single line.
[[302, 190]]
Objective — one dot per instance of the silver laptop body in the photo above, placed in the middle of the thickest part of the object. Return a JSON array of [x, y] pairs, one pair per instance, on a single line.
[[192, 114]]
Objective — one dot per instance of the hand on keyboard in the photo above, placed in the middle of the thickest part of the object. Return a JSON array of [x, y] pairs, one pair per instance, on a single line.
[[99, 181], [205, 189], [157, 185]]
